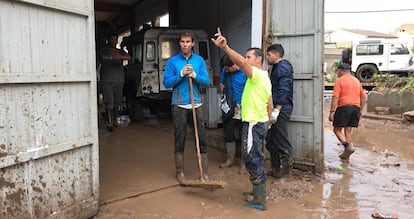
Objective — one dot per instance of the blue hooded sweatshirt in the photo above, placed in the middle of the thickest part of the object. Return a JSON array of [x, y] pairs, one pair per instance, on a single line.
[[235, 83]]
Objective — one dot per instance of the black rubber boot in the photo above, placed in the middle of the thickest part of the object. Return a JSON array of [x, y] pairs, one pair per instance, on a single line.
[[259, 197], [276, 167], [242, 168], [204, 164], [179, 167], [231, 152], [286, 164], [276, 172]]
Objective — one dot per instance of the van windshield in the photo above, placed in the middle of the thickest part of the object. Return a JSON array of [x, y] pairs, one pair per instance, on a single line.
[[169, 47]]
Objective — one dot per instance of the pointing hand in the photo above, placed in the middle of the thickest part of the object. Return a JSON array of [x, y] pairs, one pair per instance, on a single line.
[[220, 41]]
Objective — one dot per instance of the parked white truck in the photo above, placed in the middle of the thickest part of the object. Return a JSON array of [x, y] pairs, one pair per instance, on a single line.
[[371, 56]]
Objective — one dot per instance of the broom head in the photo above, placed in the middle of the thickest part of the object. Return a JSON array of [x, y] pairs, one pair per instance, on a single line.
[[204, 183]]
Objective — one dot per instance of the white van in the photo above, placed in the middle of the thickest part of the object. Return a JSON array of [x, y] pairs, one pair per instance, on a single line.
[[371, 56]]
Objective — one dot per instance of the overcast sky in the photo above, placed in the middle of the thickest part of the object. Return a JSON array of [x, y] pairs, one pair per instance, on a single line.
[[377, 15]]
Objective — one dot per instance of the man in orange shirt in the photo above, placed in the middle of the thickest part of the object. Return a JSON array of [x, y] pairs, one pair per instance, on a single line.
[[346, 108]]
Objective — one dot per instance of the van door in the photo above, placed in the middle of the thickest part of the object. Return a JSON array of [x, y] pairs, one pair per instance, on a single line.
[[150, 81], [202, 49], [48, 110], [399, 57], [168, 46], [301, 35]]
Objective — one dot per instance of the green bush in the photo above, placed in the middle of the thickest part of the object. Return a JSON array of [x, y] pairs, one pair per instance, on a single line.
[[331, 74], [409, 86], [389, 82]]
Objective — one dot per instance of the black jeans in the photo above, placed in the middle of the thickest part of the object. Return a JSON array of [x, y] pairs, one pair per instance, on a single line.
[[277, 140], [112, 94], [230, 126], [183, 118]]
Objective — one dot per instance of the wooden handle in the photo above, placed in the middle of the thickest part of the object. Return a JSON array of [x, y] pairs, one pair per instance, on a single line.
[[200, 167]]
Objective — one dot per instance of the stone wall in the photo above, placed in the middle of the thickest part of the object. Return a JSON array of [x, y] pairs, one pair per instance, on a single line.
[[398, 103]]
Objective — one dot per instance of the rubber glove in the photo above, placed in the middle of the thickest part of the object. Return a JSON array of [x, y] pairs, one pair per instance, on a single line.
[[273, 116], [186, 70]]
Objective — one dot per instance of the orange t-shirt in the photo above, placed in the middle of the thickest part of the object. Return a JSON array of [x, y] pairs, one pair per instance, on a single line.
[[348, 90]]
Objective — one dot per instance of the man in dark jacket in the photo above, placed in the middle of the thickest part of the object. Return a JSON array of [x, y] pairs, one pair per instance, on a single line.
[[277, 141], [112, 77]]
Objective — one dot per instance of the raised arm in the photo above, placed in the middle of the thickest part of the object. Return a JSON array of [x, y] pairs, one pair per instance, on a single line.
[[235, 57]]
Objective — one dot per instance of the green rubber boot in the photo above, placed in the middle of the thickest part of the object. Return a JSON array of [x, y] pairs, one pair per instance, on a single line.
[[231, 152], [259, 197], [204, 164], [179, 167], [248, 192]]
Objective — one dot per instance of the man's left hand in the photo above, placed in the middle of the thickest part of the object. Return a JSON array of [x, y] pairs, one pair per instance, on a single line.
[[192, 75], [274, 115]]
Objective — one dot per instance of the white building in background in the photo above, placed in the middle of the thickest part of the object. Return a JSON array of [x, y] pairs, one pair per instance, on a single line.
[[343, 38], [406, 32]]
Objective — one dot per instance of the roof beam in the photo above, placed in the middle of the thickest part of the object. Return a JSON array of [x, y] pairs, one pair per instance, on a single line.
[[111, 7]]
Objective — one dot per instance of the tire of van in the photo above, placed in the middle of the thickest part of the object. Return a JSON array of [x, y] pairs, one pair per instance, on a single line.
[[366, 72]]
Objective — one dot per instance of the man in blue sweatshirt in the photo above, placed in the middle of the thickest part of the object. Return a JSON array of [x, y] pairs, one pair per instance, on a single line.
[[232, 81], [178, 71], [277, 140]]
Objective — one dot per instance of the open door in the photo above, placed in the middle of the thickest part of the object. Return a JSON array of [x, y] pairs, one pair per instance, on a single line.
[[48, 110], [298, 26]]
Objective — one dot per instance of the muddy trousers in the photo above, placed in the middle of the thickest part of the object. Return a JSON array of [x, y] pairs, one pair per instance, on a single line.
[[252, 150], [183, 118], [112, 95], [229, 127], [277, 140]]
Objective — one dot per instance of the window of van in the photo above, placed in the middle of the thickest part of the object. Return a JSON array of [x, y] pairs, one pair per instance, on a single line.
[[169, 47], [150, 51], [369, 50], [203, 51], [399, 49]]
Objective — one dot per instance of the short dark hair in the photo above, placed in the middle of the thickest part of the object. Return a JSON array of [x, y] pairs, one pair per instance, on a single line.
[[187, 33], [344, 67], [276, 48], [226, 61], [257, 52]]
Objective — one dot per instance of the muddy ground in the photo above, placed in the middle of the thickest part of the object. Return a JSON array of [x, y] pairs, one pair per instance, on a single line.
[[137, 177]]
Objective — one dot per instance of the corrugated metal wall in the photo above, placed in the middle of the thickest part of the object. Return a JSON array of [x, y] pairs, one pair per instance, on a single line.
[[48, 127], [298, 26], [233, 17]]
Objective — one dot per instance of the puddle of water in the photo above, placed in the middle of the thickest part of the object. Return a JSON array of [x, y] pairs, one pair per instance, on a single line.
[[371, 182]]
